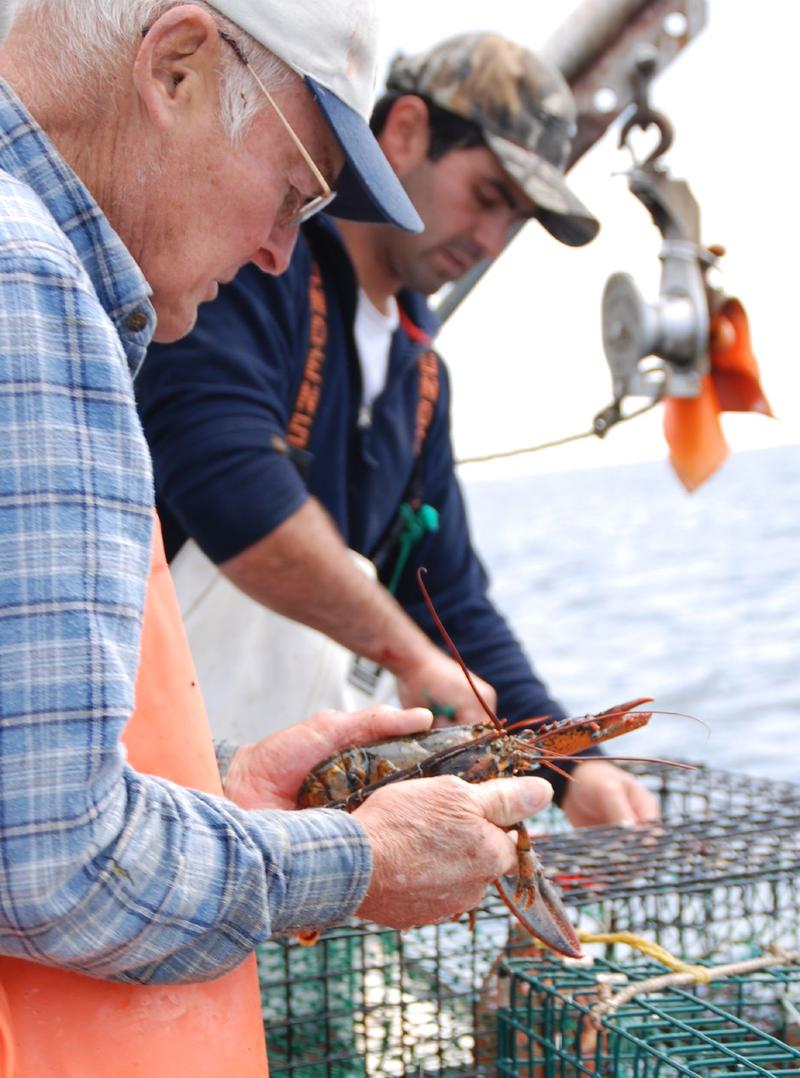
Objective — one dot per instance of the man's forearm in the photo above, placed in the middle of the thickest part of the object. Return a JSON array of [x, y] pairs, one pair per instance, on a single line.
[[303, 570], [213, 881]]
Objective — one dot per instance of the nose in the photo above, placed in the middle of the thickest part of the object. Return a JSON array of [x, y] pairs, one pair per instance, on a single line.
[[275, 254]]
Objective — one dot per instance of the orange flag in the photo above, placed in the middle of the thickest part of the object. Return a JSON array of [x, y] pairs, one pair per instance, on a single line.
[[697, 446]]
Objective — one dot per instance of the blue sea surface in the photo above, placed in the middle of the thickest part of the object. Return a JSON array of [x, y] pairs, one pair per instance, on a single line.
[[621, 585]]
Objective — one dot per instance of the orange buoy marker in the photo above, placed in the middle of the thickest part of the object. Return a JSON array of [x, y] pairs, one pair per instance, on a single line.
[[691, 425]]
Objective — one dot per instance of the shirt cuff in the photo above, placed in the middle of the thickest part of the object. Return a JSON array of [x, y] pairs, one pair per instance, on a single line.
[[327, 873], [224, 752]]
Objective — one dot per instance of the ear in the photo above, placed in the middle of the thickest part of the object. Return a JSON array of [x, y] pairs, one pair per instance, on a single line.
[[176, 67], [406, 134]]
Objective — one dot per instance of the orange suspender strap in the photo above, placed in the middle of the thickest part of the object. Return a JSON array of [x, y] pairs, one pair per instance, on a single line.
[[307, 402], [305, 407], [412, 518], [428, 366]]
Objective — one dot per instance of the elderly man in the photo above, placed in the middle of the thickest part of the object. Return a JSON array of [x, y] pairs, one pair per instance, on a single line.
[[269, 477], [148, 150]]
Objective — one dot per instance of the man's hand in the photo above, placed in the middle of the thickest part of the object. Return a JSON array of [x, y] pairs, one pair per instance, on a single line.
[[437, 843], [601, 793], [268, 773], [438, 679]]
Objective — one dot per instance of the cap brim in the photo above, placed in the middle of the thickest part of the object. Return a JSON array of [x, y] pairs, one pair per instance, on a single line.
[[367, 188], [560, 211]]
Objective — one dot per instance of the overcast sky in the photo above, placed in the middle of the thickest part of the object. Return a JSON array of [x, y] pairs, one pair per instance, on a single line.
[[525, 350]]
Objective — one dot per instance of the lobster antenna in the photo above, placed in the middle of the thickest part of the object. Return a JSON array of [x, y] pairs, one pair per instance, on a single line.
[[682, 715], [421, 571], [558, 770], [561, 757]]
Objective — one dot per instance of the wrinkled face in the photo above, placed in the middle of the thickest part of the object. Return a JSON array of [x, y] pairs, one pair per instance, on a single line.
[[468, 204], [219, 206]]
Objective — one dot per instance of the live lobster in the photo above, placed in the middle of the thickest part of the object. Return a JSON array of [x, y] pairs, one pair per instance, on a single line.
[[478, 753]]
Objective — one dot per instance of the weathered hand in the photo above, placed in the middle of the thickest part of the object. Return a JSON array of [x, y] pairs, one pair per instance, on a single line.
[[437, 843], [268, 773], [601, 793], [439, 679]]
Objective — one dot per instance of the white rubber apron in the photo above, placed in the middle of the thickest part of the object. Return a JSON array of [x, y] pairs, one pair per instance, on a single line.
[[259, 671]]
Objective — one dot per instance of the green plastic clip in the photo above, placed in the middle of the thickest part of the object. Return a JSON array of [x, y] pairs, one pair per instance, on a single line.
[[440, 710], [416, 523]]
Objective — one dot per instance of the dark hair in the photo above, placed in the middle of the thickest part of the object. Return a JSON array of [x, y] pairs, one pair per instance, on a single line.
[[447, 130]]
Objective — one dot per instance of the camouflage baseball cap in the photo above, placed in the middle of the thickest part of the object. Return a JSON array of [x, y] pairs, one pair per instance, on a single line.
[[524, 108]]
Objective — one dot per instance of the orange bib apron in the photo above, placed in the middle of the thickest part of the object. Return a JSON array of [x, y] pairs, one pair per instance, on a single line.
[[57, 1024]]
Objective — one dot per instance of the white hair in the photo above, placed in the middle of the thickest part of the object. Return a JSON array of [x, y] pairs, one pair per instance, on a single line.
[[94, 36]]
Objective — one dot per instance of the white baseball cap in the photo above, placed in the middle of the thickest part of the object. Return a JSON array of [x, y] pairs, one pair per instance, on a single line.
[[332, 44]]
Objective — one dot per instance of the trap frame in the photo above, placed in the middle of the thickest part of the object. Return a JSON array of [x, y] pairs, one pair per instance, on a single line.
[[718, 878], [747, 1024]]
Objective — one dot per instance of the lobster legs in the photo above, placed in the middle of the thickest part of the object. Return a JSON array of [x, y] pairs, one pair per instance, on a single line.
[[535, 902]]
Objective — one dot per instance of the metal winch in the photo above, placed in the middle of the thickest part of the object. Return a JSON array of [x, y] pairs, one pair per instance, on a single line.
[[658, 349]]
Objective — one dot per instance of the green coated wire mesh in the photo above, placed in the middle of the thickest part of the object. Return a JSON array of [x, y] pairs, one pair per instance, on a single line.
[[741, 1025], [718, 879]]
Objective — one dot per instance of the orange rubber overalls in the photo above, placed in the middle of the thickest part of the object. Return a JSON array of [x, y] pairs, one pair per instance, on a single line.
[[57, 1024]]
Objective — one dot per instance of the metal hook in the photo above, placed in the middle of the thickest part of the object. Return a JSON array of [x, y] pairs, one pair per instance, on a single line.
[[644, 116]]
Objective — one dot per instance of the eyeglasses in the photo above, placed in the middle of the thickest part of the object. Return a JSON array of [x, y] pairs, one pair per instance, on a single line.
[[313, 205]]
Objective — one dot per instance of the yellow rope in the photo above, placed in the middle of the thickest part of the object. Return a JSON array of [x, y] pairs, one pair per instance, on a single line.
[[609, 1002], [653, 950]]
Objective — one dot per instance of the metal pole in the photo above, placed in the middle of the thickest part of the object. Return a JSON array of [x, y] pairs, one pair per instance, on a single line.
[[587, 32], [594, 48]]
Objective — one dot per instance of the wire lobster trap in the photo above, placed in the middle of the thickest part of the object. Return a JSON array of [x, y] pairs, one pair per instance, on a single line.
[[718, 877], [366, 1001], [554, 1024]]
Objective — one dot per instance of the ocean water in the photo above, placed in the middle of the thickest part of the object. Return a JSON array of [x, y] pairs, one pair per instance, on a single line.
[[620, 585]]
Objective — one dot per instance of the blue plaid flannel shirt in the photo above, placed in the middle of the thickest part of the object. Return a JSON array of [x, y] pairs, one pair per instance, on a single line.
[[104, 870]]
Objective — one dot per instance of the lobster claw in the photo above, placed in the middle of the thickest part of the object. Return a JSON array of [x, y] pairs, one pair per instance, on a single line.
[[567, 737], [538, 908]]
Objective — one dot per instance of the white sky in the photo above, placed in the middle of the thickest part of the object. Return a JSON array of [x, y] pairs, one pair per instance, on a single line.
[[525, 350]]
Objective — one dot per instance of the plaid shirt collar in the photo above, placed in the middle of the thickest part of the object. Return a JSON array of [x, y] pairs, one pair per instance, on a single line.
[[28, 154]]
